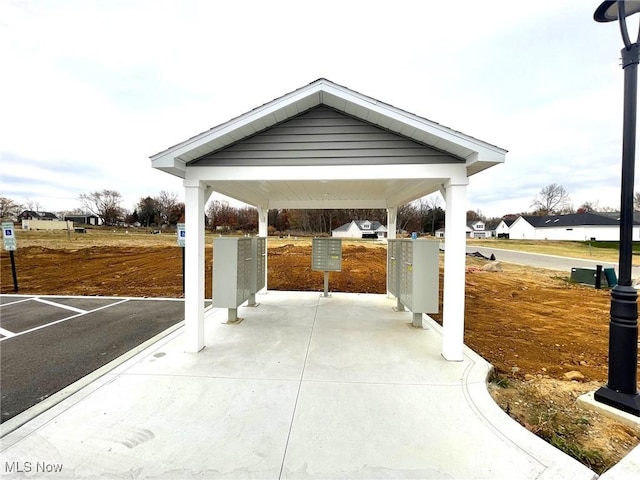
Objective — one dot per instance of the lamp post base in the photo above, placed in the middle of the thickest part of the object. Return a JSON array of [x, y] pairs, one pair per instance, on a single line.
[[627, 402]]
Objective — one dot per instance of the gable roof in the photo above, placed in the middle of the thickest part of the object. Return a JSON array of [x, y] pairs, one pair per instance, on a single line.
[[477, 154], [38, 215], [507, 222], [574, 220]]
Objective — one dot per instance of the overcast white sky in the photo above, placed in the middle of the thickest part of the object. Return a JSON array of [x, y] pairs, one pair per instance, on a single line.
[[91, 89]]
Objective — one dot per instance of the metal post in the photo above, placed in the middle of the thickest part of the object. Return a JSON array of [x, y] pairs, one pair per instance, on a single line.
[[183, 262], [621, 389], [326, 284], [13, 271]]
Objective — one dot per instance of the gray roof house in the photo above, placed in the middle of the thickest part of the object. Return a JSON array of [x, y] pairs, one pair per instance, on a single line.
[[475, 229], [576, 227], [33, 215], [360, 229]]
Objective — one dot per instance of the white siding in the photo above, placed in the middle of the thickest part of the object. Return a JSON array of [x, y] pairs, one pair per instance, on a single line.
[[522, 230], [583, 233], [502, 228], [352, 232]]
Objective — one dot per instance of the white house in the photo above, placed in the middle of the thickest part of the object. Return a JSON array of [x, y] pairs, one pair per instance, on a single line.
[[360, 229], [475, 229], [503, 228], [576, 227], [324, 146]]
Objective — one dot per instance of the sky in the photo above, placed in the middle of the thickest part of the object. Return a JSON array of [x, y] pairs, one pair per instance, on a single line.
[[91, 89]]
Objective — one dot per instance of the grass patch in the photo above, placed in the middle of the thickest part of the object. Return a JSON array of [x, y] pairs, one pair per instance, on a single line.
[[499, 380], [590, 458]]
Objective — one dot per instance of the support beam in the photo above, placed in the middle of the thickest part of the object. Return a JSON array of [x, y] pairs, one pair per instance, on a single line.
[[263, 221], [392, 222], [194, 266], [263, 231], [454, 271]]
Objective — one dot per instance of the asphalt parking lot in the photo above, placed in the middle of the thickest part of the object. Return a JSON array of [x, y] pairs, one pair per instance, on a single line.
[[49, 342]]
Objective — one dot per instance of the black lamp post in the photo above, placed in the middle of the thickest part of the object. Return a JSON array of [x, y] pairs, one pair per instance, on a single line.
[[621, 391]]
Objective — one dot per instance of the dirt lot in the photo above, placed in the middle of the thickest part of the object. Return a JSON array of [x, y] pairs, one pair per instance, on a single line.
[[532, 325]]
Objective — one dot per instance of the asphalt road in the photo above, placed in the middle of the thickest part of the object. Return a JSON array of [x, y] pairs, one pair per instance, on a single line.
[[47, 343], [551, 262]]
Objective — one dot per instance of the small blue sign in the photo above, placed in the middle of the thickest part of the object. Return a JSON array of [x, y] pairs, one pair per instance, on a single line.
[[181, 234]]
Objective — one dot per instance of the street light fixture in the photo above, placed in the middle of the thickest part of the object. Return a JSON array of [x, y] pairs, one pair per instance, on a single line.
[[621, 391]]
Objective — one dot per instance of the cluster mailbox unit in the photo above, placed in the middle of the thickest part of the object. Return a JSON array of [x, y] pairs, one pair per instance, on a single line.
[[239, 272], [413, 275], [326, 256]]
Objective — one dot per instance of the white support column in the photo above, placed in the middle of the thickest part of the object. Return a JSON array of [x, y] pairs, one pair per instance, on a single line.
[[263, 231], [263, 222], [392, 221], [194, 267], [454, 271]]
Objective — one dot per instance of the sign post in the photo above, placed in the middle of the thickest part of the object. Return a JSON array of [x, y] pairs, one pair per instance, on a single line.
[[181, 240], [10, 244]]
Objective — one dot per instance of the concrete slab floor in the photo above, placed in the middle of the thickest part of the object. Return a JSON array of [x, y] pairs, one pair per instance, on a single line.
[[303, 387]]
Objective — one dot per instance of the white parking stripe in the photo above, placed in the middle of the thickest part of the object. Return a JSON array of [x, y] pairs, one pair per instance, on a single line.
[[60, 305], [17, 301], [65, 319], [6, 333]]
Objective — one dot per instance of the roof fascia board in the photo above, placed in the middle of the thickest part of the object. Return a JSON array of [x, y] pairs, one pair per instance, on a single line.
[[454, 172]]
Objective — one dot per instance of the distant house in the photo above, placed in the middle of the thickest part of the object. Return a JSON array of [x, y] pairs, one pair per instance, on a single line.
[[360, 229], [502, 230], [84, 219], [577, 227], [33, 215], [475, 229]]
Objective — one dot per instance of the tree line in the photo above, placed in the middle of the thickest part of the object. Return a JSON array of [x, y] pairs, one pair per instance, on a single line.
[[156, 211], [424, 215]]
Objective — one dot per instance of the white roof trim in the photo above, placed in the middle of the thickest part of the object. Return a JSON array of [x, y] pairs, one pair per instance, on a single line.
[[478, 154]]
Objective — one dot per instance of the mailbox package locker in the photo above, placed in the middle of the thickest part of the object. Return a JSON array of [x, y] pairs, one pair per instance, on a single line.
[[239, 266], [413, 275], [326, 254], [258, 273]]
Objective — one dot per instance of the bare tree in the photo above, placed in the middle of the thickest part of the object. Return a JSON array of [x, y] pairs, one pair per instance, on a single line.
[[552, 199], [588, 207], [104, 204], [147, 211], [636, 201], [33, 205], [166, 203], [409, 217], [431, 211], [221, 214], [9, 208]]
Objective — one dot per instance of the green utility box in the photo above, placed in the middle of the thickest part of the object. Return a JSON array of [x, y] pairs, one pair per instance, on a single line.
[[588, 276]]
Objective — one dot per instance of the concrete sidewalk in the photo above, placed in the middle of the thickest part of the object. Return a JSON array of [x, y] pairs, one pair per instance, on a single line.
[[303, 387]]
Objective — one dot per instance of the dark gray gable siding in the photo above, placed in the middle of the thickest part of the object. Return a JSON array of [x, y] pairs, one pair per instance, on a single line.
[[323, 136]]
